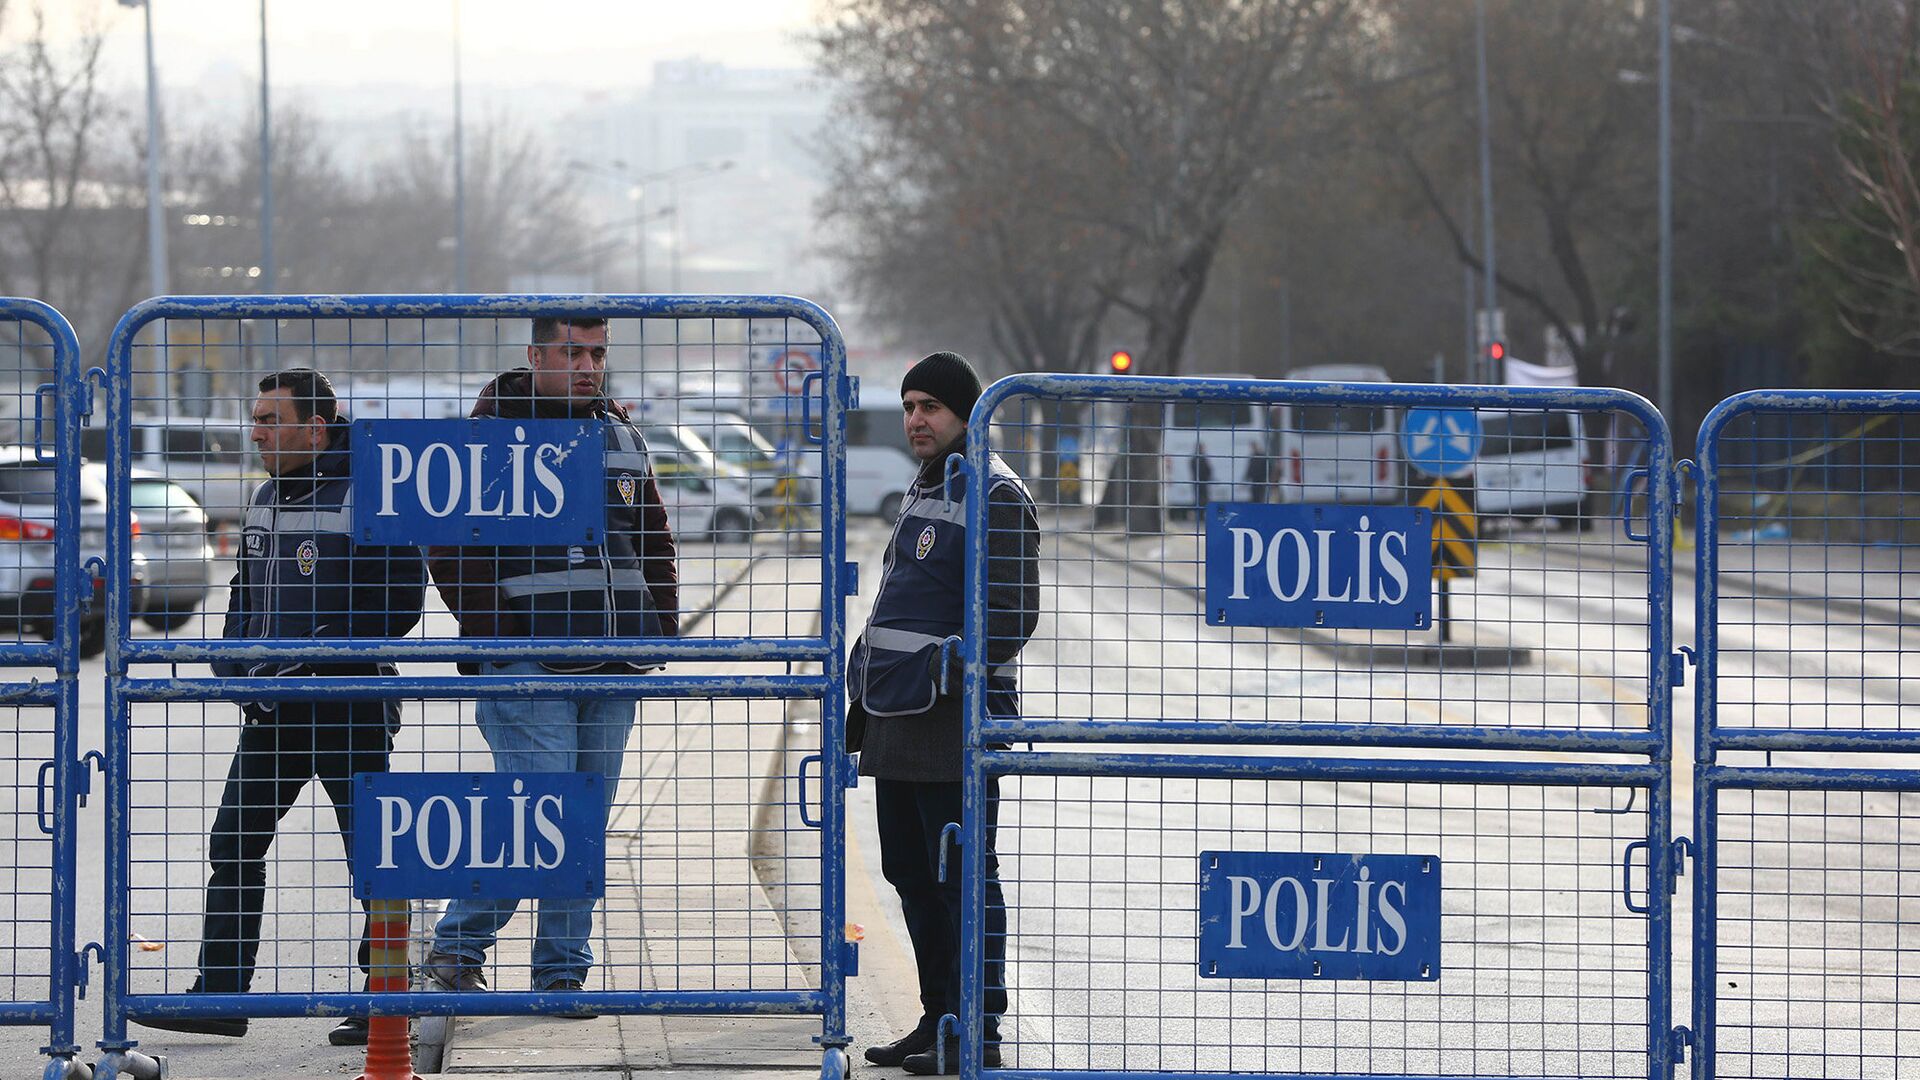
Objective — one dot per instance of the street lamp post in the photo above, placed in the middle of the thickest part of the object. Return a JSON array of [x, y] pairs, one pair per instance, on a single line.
[[459, 169], [267, 278], [156, 205], [1665, 400], [1488, 289], [638, 193]]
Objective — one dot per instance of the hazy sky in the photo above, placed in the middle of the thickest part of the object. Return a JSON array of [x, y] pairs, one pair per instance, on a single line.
[[322, 43]]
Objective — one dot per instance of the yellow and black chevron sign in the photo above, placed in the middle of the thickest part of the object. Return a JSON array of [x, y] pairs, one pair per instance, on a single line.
[[1456, 530]]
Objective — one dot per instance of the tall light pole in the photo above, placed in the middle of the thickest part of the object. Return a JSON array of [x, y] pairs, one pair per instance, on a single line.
[[459, 169], [156, 204], [1489, 295], [1665, 400], [267, 278]]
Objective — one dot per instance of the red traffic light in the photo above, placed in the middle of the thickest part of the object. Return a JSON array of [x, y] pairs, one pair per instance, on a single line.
[[1496, 350], [1121, 361]]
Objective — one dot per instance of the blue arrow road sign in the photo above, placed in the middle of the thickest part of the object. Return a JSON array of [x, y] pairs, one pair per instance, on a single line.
[[1441, 442]]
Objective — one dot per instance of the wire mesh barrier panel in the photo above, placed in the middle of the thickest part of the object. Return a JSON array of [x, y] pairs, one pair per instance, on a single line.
[[1542, 968], [1805, 765], [47, 525], [522, 612], [1402, 572], [1525, 602], [1812, 935]]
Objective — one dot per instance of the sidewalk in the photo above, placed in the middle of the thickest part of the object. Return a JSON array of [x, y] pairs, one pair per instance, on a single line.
[[673, 804]]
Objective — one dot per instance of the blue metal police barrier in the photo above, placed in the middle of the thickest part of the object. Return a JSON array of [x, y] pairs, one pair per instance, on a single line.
[[42, 532], [1436, 888], [680, 866], [1806, 776]]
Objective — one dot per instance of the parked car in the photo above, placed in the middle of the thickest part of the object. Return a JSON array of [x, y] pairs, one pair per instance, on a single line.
[[175, 540], [701, 501], [28, 526], [1532, 463], [780, 486], [211, 458], [1338, 453]]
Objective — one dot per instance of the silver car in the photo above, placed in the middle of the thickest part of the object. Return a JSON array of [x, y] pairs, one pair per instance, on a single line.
[[27, 529], [175, 542]]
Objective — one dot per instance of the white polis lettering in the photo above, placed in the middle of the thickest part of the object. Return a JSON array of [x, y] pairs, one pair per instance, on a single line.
[[440, 846], [468, 483], [1361, 936], [1379, 576]]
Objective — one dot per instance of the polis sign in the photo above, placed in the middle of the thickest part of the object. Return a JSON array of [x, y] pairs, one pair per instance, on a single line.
[[1310, 915], [479, 481], [493, 835], [1351, 567]]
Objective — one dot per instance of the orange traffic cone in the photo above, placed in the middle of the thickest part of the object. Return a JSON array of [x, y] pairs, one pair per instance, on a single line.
[[389, 1053]]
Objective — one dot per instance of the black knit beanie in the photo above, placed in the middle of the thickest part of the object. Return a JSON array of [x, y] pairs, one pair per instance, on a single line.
[[947, 378]]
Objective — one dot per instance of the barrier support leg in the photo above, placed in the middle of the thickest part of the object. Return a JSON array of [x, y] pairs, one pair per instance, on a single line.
[[389, 1056]]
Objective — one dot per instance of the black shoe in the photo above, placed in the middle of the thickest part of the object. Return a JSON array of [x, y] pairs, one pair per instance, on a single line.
[[231, 1026], [927, 1063], [448, 972], [573, 986], [913, 1042], [352, 1031]]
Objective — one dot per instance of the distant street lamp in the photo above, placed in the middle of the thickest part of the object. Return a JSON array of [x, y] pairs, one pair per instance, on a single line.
[[156, 208], [618, 169]]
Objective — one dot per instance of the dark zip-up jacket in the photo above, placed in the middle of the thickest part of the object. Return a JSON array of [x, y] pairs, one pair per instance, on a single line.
[[627, 586], [301, 575]]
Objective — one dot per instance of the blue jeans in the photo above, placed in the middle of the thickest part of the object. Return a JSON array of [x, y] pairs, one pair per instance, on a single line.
[[541, 736]]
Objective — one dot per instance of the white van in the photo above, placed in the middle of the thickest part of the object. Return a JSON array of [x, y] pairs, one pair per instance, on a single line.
[[880, 465], [1532, 463], [1214, 451], [1338, 453], [212, 458]]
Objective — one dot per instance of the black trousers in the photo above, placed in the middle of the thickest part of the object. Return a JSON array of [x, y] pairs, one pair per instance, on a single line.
[[912, 814], [271, 767]]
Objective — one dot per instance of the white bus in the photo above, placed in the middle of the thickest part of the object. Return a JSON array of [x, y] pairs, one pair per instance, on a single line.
[[1338, 453]]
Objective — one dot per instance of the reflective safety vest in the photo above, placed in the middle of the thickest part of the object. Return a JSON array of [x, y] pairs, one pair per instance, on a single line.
[[590, 591], [922, 602]]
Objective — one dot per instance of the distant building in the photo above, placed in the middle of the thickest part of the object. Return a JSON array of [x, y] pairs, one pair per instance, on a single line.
[[734, 210]]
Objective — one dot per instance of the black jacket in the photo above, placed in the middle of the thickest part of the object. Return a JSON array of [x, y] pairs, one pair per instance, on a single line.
[[301, 575]]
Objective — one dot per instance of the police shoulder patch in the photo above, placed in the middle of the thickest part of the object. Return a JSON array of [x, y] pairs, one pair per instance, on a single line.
[[924, 544], [308, 555]]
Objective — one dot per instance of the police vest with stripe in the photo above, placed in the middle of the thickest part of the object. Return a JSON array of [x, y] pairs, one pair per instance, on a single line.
[[590, 591], [922, 602]]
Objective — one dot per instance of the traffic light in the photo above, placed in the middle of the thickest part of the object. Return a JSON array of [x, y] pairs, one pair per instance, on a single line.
[[1120, 362], [1496, 351]]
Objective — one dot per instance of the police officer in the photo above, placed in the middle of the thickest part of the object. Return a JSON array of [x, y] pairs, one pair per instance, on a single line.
[[625, 586], [300, 575], [907, 728]]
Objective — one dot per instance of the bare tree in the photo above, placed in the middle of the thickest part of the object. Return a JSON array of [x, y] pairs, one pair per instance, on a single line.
[[1140, 123], [65, 163]]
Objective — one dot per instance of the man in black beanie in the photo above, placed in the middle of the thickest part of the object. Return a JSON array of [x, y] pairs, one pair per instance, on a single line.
[[907, 727]]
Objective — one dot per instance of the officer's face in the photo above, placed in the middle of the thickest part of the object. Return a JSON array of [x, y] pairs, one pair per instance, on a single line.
[[572, 366], [285, 441], [931, 426]]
